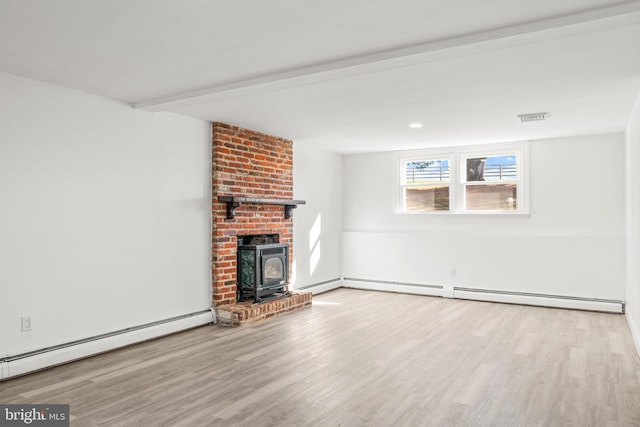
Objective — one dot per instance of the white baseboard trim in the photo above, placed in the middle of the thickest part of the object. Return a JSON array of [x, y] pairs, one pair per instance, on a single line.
[[447, 291], [556, 301], [398, 287], [321, 287], [45, 358], [635, 333]]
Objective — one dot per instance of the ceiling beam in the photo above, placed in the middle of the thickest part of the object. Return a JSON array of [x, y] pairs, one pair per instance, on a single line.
[[599, 19]]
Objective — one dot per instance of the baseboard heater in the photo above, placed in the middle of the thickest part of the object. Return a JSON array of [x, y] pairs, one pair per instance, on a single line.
[[317, 288], [390, 286], [545, 300], [489, 295], [24, 363]]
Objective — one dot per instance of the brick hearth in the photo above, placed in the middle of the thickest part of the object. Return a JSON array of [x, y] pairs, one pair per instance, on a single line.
[[253, 165], [246, 313]]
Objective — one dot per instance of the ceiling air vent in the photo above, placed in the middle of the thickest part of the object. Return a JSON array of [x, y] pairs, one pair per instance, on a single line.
[[532, 117]]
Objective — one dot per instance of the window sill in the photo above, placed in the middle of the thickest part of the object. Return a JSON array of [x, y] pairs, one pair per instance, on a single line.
[[476, 213]]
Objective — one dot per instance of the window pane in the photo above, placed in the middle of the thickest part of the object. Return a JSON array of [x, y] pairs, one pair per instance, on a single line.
[[273, 269], [492, 168], [495, 197], [428, 198], [426, 171]]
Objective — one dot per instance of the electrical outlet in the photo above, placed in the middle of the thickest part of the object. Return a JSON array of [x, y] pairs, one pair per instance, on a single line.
[[26, 323], [452, 272]]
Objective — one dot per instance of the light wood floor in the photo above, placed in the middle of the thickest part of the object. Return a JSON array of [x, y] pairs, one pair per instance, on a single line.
[[363, 358]]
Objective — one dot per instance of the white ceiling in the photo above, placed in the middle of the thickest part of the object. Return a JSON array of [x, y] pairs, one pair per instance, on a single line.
[[346, 75]]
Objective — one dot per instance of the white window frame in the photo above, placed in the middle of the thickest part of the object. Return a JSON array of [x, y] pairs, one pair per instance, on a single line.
[[457, 176], [401, 184]]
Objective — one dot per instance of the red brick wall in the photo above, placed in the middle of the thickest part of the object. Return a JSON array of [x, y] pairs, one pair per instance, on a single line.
[[247, 164]]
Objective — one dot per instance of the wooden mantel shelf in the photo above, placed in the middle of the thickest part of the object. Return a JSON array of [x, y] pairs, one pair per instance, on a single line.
[[233, 202]]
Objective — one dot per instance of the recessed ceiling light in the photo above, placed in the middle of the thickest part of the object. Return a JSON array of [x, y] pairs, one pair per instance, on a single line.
[[415, 125]]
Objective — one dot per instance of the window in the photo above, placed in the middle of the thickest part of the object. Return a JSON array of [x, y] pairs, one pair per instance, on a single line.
[[490, 182], [478, 179], [425, 184]]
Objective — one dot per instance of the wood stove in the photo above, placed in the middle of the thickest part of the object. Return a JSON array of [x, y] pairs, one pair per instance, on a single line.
[[263, 271]]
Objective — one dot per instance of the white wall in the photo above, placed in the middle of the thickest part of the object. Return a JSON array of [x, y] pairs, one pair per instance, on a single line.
[[317, 226], [633, 222], [104, 219], [572, 243]]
